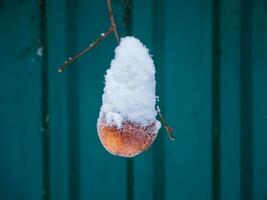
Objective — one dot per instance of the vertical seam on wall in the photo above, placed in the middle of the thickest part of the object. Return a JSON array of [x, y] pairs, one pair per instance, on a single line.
[[130, 179], [73, 102], [157, 46], [45, 103], [246, 100], [216, 131]]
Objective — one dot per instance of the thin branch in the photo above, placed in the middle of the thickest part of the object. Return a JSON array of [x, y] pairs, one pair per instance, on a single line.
[[166, 126], [91, 46], [112, 20], [112, 28]]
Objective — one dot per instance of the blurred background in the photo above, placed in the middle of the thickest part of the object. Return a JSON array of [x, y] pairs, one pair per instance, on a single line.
[[211, 62]]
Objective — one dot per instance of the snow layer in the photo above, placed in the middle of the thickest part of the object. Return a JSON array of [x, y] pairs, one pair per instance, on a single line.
[[129, 93]]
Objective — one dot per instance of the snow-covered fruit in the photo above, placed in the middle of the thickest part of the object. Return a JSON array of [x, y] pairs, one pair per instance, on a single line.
[[127, 122]]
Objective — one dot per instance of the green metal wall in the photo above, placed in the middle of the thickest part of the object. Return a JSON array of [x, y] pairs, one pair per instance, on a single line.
[[211, 60]]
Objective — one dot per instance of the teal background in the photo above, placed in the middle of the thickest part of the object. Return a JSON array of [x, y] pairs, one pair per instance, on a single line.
[[211, 61]]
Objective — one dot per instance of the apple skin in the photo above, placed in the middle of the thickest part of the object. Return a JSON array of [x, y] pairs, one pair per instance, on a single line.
[[129, 140]]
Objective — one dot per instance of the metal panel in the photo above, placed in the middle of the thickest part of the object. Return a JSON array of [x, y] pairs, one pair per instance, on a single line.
[[187, 95], [259, 94], [20, 101], [57, 145], [210, 57]]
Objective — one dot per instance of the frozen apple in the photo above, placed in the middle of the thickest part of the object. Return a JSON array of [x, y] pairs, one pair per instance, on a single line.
[[127, 122]]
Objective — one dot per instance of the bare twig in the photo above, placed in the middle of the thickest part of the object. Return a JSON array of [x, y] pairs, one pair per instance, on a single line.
[[91, 46], [166, 126], [112, 20], [112, 28]]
